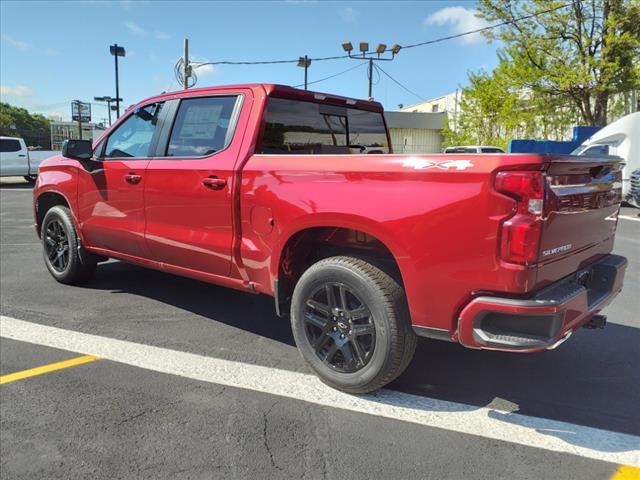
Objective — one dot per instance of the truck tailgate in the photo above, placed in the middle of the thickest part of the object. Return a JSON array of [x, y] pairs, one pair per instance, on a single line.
[[582, 200]]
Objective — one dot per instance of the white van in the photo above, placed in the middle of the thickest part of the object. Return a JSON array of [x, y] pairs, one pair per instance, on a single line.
[[620, 138]]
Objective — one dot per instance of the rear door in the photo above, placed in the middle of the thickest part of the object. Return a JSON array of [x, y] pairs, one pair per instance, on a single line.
[[111, 189], [188, 189]]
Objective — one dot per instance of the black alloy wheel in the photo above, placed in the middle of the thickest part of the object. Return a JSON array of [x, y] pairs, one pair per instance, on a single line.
[[351, 323], [56, 243], [62, 250], [340, 328]]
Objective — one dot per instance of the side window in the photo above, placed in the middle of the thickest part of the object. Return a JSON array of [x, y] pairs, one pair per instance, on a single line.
[[202, 126], [7, 145], [491, 150], [133, 137], [298, 127]]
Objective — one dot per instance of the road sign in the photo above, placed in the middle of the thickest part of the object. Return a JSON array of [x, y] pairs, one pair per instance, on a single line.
[[84, 111]]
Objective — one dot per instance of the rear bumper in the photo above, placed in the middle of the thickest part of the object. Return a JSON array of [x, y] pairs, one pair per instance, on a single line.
[[548, 318]]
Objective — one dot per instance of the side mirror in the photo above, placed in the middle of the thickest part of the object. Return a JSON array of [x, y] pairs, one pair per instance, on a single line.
[[77, 149]]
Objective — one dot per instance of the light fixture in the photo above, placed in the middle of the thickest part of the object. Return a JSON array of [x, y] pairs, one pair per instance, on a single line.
[[117, 50], [304, 62], [381, 48], [347, 47], [364, 47], [395, 49]]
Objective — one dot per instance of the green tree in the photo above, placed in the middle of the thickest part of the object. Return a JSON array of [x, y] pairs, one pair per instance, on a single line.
[[18, 122], [584, 53]]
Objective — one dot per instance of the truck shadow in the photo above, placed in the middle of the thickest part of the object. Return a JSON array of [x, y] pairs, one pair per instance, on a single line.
[[592, 380]]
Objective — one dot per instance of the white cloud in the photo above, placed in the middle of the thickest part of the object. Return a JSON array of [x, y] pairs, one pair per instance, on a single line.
[[134, 28], [204, 70], [161, 35], [20, 45], [349, 14], [17, 91], [461, 19]]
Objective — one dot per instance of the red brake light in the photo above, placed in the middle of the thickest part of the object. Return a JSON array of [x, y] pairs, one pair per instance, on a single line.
[[520, 233]]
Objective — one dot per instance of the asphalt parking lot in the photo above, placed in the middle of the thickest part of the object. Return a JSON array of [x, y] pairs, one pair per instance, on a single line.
[[190, 380]]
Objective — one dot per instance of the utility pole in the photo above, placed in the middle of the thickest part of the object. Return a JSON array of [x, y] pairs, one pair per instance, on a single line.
[[187, 69]]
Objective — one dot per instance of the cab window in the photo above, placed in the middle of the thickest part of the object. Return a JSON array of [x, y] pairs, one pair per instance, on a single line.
[[300, 127], [132, 139]]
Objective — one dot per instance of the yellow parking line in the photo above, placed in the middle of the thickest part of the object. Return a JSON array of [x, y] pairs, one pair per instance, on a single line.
[[52, 367], [625, 472]]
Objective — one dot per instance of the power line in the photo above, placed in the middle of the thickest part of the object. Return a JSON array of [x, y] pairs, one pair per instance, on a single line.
[[428, 42], [332, 76], [397, 82]]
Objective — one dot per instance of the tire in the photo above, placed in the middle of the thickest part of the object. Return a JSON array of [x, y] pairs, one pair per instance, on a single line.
[[380, 345], [31, 179], [63, 255]]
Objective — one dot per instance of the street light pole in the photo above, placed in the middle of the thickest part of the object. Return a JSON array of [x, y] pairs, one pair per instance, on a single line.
[[370, 77], [305, 62], [78, 104], [369, 57], [117, 51], [107, 100], [117, 86]]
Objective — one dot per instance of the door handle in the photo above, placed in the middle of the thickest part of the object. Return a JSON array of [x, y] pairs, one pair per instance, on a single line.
[[214, 183], [22, 155], [132, 178]]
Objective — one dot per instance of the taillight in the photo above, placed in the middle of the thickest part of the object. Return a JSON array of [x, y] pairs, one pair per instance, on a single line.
[[520, 233]]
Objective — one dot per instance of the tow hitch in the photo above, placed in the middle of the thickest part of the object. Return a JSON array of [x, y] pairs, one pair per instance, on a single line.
[[597, 321]]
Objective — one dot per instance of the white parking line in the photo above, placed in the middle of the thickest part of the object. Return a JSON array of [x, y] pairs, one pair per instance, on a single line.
[[485, 422], [627, 217]]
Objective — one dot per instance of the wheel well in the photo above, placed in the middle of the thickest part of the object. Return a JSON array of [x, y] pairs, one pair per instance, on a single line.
[[313, 244], [45, 202]]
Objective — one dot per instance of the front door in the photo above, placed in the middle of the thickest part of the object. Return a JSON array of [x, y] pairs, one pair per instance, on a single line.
[[13, 158], [111, 188], [188, 189]]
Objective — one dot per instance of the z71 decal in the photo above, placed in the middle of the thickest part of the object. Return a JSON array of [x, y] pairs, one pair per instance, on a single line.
[[422, 164]]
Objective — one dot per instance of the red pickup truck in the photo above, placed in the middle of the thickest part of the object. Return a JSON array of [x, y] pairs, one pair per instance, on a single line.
[[298, 195]]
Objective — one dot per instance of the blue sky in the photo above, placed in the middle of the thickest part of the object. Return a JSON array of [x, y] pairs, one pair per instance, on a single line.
[[53, 52]]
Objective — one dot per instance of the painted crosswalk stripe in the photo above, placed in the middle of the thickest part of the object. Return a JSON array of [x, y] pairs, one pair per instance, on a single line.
[[480, 421]]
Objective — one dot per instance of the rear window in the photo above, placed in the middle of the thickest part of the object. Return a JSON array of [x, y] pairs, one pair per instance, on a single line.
[[7, 145], [295, 127], [491, 150]]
